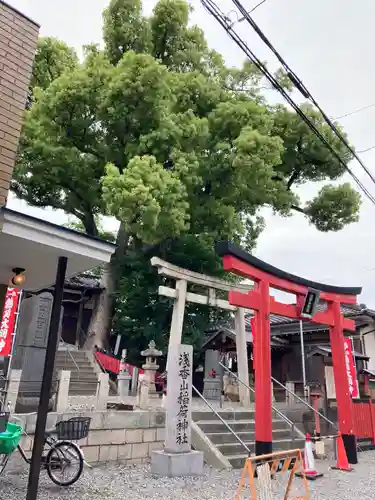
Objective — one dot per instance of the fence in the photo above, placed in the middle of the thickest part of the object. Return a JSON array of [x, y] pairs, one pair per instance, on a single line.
[[364, 419]]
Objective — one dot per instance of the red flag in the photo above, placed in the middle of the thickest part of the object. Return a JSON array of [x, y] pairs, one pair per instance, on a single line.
[[350, 368], [8, 320]]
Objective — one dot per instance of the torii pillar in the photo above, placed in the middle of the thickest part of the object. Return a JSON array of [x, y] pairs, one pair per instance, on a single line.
[[265, 277]]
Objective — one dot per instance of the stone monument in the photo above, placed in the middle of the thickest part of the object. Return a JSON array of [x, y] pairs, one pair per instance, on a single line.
[[150, 367], [178, 459], [30, 348]]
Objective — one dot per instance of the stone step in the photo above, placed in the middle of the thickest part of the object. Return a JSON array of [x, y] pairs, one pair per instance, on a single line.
[[80, 385], [236, 448], [212, 426], [226, 415], [73, 368], [82, 392], [80, 359], [218, 438], [68, 361], [237, 460]]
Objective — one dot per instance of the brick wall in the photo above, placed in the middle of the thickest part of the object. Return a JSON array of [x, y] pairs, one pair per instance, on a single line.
[[18, 38]]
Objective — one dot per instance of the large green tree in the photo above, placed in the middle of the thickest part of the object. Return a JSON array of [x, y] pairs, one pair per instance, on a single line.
[[156, 131]]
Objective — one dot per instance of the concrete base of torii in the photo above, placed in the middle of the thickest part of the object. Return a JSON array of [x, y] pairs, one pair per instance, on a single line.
[[177, 464]]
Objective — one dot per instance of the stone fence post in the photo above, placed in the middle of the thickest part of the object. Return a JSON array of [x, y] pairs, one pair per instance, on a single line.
[[62, 396], [102, 391], [12, 389]]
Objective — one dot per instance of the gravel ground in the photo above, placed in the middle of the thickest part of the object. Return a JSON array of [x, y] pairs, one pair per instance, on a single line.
[[117, 482]]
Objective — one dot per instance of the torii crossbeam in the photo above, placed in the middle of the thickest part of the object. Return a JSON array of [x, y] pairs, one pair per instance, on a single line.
[[265, 276]]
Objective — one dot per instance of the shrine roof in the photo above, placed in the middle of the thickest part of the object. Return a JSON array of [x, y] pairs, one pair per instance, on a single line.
[[326, 351], [82, 281], [228, 248]]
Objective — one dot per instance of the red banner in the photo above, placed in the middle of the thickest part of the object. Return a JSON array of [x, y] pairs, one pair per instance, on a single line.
[[8, 320], [350, 368]]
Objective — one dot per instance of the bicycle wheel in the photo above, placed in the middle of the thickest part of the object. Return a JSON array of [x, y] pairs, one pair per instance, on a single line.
[[63, 457], [3, 461]]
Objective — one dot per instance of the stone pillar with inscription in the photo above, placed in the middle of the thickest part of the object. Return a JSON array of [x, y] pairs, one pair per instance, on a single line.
[[30, 348], [178, 459]]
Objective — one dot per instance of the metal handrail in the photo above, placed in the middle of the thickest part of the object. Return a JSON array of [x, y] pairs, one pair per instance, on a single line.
[[305, 403], [291, 424], [71, 357], [223, 421]]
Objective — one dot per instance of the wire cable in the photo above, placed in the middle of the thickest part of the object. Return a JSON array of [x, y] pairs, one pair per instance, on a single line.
[[367, 149], [224, 21], [297, 82], [354, 112]]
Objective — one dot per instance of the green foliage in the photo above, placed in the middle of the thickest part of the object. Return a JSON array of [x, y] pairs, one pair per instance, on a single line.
[[125, 29], [305, 158], [158, 132], [151, 200], [52, 59], [334, 207], [142, 315], [102, 233]]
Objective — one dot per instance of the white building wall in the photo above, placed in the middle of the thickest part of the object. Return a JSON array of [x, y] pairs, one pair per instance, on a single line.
[[369, 341]]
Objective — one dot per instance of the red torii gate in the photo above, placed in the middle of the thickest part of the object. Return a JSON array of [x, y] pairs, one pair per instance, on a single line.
[[265, 276]]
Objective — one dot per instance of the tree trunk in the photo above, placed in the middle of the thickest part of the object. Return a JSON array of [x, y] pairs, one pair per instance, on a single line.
[[101, 319]]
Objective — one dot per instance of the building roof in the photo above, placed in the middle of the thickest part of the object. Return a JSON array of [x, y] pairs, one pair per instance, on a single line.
[[83, 282], [326, 351], [229, 332], [36, 246], [7, 4]]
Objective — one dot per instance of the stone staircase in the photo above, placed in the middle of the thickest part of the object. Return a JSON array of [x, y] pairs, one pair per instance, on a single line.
[[243, 423], [83, 373]]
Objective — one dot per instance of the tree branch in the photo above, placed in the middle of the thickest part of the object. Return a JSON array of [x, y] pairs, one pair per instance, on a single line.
[[295, 175], [298, 209]]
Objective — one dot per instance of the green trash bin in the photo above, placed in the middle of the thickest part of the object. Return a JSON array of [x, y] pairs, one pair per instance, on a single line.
[[10, 438]]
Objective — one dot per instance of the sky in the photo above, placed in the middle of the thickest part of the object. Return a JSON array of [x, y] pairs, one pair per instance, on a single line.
[[326, 44]]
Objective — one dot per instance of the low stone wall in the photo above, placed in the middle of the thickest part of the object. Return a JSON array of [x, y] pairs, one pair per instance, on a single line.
[[122, 436]]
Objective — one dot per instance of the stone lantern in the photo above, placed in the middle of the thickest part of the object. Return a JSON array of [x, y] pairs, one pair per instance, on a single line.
[[150, 367]]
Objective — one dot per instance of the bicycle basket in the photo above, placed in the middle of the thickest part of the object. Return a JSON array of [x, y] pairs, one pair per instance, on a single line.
[[4, 418], [10, 438], [73, 429]]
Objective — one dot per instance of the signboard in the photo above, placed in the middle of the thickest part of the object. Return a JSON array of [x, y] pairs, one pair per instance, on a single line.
[[311, 301], [8, 321], [350, 369]]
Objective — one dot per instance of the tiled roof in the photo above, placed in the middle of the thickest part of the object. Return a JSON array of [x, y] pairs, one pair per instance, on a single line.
[[81, 281]]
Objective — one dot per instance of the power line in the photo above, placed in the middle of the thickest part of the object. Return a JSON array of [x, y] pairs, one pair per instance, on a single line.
[[355, 111], [297, 82], [224, 21], [367, 149]]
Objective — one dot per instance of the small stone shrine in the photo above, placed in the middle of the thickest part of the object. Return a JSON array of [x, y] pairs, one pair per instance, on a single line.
[[178, 459], [150, 367]]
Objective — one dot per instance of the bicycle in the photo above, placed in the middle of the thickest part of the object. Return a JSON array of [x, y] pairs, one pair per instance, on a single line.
[[62, 450]]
